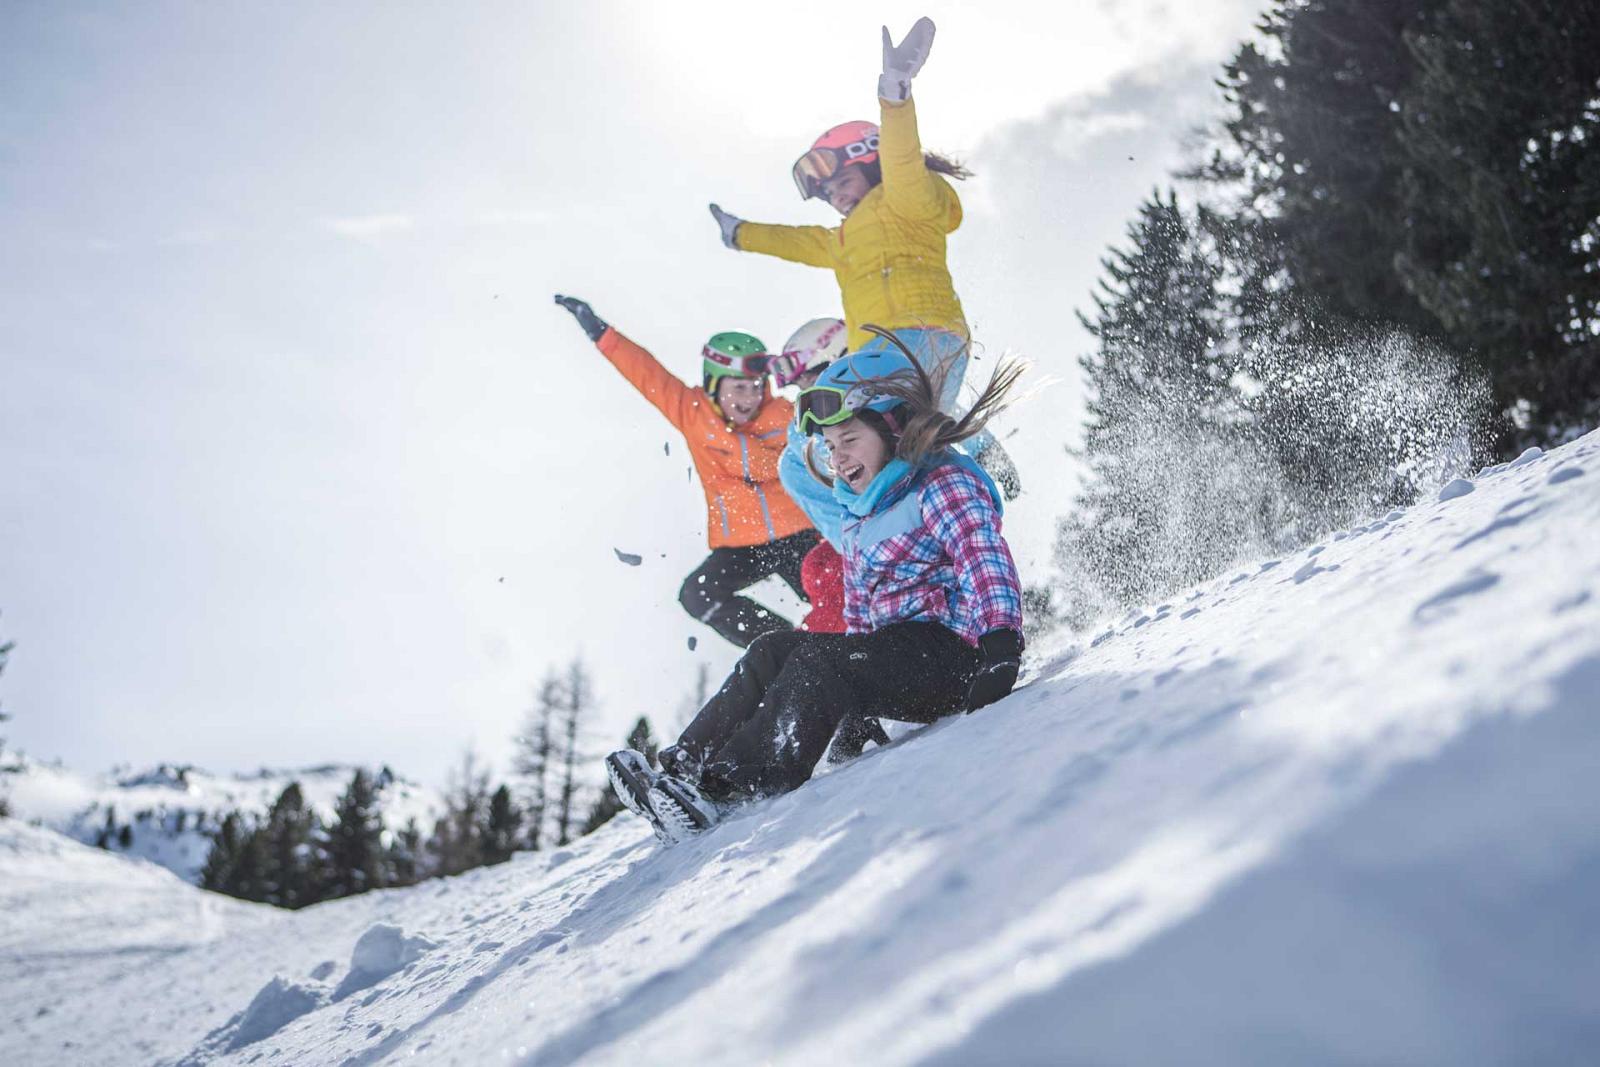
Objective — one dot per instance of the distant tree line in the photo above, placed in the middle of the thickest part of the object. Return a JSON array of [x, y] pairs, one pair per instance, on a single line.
[[1391, 272], [292, 858], [5, 653]]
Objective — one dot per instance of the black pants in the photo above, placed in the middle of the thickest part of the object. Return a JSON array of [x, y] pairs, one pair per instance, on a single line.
[[711, 593], [772, 720]]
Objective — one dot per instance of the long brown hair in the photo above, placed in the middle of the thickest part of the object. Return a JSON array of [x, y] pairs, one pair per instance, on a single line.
[[934, 162], [925, 431]]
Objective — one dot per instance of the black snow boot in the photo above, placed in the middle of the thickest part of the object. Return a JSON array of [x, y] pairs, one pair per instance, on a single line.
[[682, 811], [681, 761], [632, 778]]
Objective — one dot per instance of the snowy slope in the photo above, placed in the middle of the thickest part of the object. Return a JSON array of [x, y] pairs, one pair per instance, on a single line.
[[1333, 808], [171, 812]]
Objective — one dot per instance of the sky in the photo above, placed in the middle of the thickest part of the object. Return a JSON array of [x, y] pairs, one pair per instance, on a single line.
[[298, 461]]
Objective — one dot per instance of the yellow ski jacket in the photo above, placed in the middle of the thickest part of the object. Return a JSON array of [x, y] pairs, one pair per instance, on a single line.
[[889, 253]]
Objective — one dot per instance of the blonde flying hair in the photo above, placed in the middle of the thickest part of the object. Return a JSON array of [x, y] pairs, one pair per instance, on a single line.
[[926, 431]]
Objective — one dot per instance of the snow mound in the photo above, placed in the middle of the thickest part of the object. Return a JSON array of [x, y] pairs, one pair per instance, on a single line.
[[1335, 807], [380, 952], [279, 1003]]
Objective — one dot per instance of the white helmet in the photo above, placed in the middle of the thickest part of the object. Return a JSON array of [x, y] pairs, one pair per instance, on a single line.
[[816, 344]]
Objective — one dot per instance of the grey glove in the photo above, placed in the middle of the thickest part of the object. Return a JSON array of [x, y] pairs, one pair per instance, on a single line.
[[592, 324], [902, 61], [729, 225]]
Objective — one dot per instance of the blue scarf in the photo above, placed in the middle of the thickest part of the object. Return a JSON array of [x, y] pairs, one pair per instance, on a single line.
[[861, 504]]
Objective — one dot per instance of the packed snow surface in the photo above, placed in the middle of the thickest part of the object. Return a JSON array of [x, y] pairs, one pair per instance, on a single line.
[[1332, 808]]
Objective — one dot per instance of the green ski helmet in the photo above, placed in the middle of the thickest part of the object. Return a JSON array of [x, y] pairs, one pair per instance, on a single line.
[[732, 355]]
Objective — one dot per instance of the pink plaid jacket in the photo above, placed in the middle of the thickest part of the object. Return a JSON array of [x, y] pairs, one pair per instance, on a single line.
[[931, 551]]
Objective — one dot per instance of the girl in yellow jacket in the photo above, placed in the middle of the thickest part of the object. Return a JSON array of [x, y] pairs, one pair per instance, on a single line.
[[888, 253]]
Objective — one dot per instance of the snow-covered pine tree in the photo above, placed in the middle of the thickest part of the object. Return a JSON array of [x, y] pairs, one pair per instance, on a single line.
[[1163, 397], [352, 849]]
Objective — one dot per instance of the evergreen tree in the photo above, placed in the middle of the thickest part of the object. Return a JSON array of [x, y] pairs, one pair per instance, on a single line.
[[108, 830], [405, 856], [607, 806], [532, 753], [247, 878], [1313, 146], [353, 851], [1500, 182], [5, 653], [1163, 395], [292, 868], [1433, 164], [503, 828], [458, 837], [226, 844]]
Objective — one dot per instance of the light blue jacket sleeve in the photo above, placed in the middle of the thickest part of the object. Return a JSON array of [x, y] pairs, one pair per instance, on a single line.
[[814, 498]]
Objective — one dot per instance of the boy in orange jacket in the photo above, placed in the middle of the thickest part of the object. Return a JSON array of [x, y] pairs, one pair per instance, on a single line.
[[736, 432]]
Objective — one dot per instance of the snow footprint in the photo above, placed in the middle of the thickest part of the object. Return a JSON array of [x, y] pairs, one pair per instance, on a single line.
[[1564, 474], [1441, 605], [1515, 513]]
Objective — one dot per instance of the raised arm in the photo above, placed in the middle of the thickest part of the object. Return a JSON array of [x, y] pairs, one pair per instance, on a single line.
[[909, 188], [797, 244], [644, 372]]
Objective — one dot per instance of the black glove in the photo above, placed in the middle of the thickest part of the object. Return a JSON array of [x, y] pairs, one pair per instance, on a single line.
[[592, 324], [1002, 658]]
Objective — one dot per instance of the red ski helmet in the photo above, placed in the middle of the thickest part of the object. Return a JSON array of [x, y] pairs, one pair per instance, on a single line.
[[846, 144]]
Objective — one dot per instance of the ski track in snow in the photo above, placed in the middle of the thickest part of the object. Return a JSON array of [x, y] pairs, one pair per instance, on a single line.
[[1332, 808]]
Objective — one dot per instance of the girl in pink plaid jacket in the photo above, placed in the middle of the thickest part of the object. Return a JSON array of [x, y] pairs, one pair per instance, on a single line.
[[933, 604]]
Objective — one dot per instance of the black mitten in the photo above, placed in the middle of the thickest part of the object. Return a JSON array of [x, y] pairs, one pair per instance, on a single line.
[[1002, 659], [592, 324]]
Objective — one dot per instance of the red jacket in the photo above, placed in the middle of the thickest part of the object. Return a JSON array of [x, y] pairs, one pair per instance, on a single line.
[[822, 576]]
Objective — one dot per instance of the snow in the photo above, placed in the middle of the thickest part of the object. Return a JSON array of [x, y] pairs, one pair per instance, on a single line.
[[172, 811], [1331, 808], [380, 952]]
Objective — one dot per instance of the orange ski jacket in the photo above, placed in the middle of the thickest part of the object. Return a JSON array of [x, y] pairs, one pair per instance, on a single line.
[[888, 255], [738, 466]]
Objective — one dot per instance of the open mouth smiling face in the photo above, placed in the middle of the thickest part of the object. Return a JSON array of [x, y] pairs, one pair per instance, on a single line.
[[857, 451]]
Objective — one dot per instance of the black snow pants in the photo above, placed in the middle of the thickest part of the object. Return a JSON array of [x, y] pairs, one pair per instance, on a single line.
[[711, 593], [771, 721]]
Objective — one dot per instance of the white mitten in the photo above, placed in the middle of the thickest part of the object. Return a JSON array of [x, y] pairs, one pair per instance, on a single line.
[[901, 62], [728, 223]]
